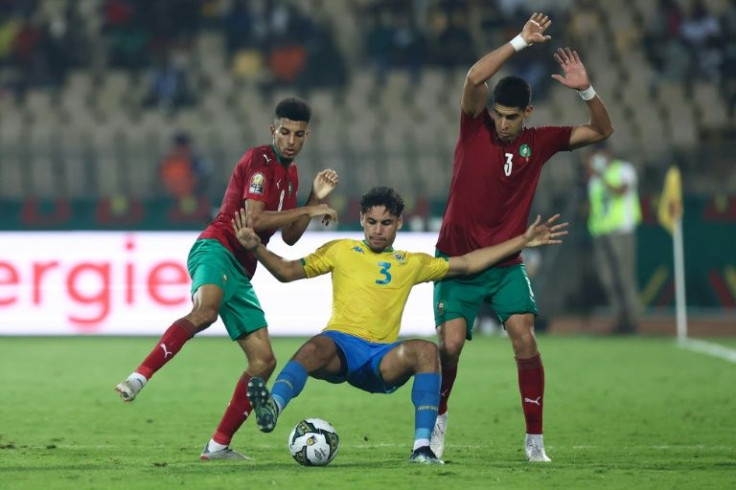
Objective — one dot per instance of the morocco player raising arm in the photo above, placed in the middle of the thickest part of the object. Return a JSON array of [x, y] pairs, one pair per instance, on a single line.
[[497, 162], [371, 282]]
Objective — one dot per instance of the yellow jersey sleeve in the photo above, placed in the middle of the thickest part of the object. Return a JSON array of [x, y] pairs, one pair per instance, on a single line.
[[430, 268], [322, 260]]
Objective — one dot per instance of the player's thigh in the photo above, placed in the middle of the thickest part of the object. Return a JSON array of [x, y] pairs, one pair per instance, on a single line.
[[209, 262], [457, 301], [241, 312], [408, 358], [320, 357], [206, 302], [512, 294]]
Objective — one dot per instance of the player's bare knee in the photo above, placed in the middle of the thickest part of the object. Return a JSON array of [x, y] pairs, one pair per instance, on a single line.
[[426, 355], [525, 345], [203, 316], [450, 348], [262, 365]]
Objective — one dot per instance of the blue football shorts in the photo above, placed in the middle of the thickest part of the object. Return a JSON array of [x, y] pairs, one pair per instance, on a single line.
[[362, 360]]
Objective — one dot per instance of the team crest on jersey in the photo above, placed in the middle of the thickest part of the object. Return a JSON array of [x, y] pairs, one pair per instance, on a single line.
[[358, 249], [256, 183], [525, 151], [400, 257]]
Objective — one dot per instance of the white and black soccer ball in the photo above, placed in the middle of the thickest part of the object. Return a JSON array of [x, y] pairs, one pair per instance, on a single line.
[[313, 442]]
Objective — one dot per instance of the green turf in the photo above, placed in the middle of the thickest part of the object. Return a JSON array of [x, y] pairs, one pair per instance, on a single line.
[[620, 413]]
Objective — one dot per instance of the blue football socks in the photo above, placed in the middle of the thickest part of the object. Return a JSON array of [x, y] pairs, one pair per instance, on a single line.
[[289, 383], [425, 395]]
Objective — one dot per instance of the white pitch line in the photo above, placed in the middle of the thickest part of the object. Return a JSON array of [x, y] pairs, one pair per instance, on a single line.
[[87, 447], [709, 348]]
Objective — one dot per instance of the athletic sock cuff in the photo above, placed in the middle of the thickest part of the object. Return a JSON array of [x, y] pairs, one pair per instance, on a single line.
[[530, 363]]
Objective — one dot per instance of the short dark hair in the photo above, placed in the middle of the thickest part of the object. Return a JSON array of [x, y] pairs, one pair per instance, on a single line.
[[294, 109], [512, 92], [382, 196]]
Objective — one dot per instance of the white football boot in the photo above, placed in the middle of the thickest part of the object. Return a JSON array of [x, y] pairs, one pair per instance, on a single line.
[[129, 389], [226, 453], [534, 448], [437, 440]]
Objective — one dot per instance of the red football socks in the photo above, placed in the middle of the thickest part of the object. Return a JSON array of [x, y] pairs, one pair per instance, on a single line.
[[531, 385], [448, 380], [171, 343], [235, 414]]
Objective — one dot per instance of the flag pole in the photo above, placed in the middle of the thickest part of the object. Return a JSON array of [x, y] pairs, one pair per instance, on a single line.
[[679, 264]]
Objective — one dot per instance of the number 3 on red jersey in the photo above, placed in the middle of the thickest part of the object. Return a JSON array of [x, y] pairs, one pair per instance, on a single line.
[[509, 164]]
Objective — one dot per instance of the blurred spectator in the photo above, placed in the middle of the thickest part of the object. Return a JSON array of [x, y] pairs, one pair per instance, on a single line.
[[378, 41], [325, 64], [241, 28], [663, 30], [408, 47], [584, 24], [614, 213], [184, 174], [169, 83], [127, 32], [454, 45]]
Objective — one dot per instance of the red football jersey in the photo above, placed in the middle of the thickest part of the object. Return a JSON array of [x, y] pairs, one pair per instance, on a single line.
[[493, 184], [259, 176]]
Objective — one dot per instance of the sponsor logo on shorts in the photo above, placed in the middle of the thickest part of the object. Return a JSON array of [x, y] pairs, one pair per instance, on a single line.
[[441, 307]]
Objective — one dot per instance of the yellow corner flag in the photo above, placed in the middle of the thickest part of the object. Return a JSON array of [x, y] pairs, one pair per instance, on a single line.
[[670, 202]]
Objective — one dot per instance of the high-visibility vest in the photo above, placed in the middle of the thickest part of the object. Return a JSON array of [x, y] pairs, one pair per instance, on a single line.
[[611, 213]]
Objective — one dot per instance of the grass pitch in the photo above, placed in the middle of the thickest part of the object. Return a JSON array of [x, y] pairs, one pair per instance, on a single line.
[[619, 413]]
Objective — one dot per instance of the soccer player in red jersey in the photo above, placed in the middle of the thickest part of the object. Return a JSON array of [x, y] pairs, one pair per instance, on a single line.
[[265, 182], [495, 173]]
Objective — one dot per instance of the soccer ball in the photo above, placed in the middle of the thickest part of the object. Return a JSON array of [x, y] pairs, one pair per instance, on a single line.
[[313, 442]]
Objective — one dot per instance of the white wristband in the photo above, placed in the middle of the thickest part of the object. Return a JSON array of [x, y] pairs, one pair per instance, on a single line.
[[587, 94], [518, 43]]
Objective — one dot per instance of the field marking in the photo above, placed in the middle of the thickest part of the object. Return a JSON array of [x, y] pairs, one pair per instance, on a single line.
[[709, 348], [392, 445]]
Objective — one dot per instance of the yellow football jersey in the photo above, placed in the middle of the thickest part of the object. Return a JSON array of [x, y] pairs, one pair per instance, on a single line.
[[369, 290]]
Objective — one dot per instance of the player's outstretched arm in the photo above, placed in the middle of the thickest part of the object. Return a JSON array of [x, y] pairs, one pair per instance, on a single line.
[[475, 92], [575, 76], [324, 183], [283, 270], [260, 219], [538, 234]]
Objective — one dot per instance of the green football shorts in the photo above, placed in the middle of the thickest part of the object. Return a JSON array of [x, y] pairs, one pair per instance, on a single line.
[[506, 289], [210, 262]]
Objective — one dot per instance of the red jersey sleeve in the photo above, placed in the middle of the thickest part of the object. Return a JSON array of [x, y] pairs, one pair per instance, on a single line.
[[257, 179], [470, 125], [553, 139]]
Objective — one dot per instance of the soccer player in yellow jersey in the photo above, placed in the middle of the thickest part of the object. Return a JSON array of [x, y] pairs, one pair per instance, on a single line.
[[370, 285]]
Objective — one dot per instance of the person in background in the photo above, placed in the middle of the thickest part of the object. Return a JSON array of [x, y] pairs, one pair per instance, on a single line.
[[614, 213]]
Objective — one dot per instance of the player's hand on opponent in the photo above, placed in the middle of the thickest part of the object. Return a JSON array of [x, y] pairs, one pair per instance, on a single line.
[[328, 214], [546, 233], [574, 74], [533, 31], [324, 183], [243, 232]]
